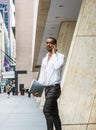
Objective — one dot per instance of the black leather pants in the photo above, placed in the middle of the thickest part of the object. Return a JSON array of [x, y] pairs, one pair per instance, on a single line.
[[50, 110]]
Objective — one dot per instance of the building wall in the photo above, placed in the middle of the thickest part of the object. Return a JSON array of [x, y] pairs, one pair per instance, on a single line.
[[65, 37], [1, 42], [77, 103], [3, 36], [24, 21]]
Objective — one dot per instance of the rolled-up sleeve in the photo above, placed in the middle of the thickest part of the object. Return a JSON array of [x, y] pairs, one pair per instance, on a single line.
[[58, 61]]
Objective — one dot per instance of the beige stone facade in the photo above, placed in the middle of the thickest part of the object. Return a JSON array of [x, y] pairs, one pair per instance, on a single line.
[[77, 102], [24, 21]]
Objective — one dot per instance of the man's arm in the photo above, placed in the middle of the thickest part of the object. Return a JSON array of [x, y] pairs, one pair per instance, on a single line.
[[58, 61], [41, 78]]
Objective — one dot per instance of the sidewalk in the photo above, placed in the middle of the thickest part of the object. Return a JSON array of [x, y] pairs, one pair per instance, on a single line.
[[20, 113]]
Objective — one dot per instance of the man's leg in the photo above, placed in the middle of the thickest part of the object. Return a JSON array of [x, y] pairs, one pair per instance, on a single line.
[[48, 110], [56, 120], [51, 108], [51, 114]]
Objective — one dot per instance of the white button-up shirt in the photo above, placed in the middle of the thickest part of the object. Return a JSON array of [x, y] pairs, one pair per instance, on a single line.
[[51, 69]]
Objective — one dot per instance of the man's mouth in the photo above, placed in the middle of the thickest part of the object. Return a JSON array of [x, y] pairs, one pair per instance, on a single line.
[[49, 48]]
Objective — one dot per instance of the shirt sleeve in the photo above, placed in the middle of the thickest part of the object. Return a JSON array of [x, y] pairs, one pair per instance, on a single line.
[[42, 75], [58, 61]]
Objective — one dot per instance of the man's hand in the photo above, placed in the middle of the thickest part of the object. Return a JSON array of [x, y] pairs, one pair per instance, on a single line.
[[54, 49], [36, 94]]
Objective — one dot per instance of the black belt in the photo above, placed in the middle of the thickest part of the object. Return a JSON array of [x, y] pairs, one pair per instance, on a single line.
[[53, 85], [56, 85]]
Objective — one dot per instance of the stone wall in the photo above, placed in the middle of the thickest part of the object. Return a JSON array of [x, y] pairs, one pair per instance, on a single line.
[[77, 102]]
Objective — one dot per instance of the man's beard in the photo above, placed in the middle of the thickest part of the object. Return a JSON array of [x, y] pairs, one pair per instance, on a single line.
[[49, 49]]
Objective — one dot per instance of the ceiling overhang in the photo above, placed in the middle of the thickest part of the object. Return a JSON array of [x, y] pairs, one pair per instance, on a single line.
[[43, 9]]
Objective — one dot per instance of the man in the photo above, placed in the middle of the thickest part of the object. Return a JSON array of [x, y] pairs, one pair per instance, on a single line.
[[50, 75]]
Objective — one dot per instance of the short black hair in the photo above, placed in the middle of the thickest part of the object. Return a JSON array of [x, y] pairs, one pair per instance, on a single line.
[[54, 41]]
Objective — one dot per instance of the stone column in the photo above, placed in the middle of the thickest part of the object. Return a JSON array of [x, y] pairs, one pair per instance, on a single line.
[[77, 102]]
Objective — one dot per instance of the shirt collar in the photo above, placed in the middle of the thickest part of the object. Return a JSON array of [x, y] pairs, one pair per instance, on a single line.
[[48, 53]]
